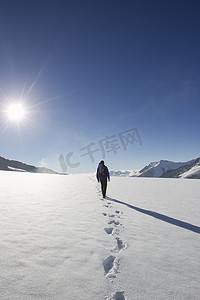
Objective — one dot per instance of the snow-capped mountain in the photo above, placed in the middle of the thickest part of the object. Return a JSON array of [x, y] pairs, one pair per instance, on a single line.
[[190, 170], [165, 168], [157, 169], [13, 165]]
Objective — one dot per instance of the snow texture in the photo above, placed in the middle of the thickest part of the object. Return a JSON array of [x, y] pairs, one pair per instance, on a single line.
[[61, 240]]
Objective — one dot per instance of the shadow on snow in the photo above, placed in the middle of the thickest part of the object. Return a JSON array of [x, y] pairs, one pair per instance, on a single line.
[[164, 218]]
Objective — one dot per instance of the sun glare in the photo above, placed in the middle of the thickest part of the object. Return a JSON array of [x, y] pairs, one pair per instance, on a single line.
[[15, 112]]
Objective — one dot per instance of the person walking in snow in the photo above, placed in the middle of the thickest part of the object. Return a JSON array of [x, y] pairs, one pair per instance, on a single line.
[[102, 176]]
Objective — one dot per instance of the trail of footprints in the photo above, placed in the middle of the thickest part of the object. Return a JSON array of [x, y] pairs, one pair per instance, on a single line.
[[111, 263]]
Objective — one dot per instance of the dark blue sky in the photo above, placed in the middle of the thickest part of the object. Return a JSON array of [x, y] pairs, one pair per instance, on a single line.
[[87, 70]]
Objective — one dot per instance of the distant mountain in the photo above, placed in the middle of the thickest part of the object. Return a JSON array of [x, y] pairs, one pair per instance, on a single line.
[[190, 170], [120, 173], [157, 169], [165, 168], [13, 165]]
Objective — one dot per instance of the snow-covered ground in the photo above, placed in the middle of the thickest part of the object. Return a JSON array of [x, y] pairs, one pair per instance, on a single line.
[[61, 240]]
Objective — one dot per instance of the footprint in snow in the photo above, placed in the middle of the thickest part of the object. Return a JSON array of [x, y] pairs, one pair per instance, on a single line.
[[116, 231], [108, 263], [111, 266], [108, 230], [120, 245], [111, 216], [114, 222], [115, 216], [118, 296]]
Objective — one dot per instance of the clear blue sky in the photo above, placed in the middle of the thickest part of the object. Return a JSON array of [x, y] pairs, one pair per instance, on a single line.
[[89, 70]]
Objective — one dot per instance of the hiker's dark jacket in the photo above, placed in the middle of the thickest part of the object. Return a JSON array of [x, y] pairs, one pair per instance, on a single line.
[[106, 172]]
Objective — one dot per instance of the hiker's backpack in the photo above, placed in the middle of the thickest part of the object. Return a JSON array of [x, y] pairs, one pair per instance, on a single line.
[[101, 171]]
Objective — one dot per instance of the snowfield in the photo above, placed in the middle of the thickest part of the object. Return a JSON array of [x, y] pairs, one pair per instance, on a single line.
[[61, 240]]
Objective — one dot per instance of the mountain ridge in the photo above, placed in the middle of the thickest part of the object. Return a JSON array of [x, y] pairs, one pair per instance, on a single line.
[[14, 165], [181, 170], [165, 169], [158, 169]]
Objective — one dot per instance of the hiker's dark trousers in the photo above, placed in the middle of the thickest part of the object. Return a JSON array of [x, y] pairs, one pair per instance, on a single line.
[[104, 186]]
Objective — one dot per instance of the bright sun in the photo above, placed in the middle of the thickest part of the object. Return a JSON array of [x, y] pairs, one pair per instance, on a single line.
[[16, 112]]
